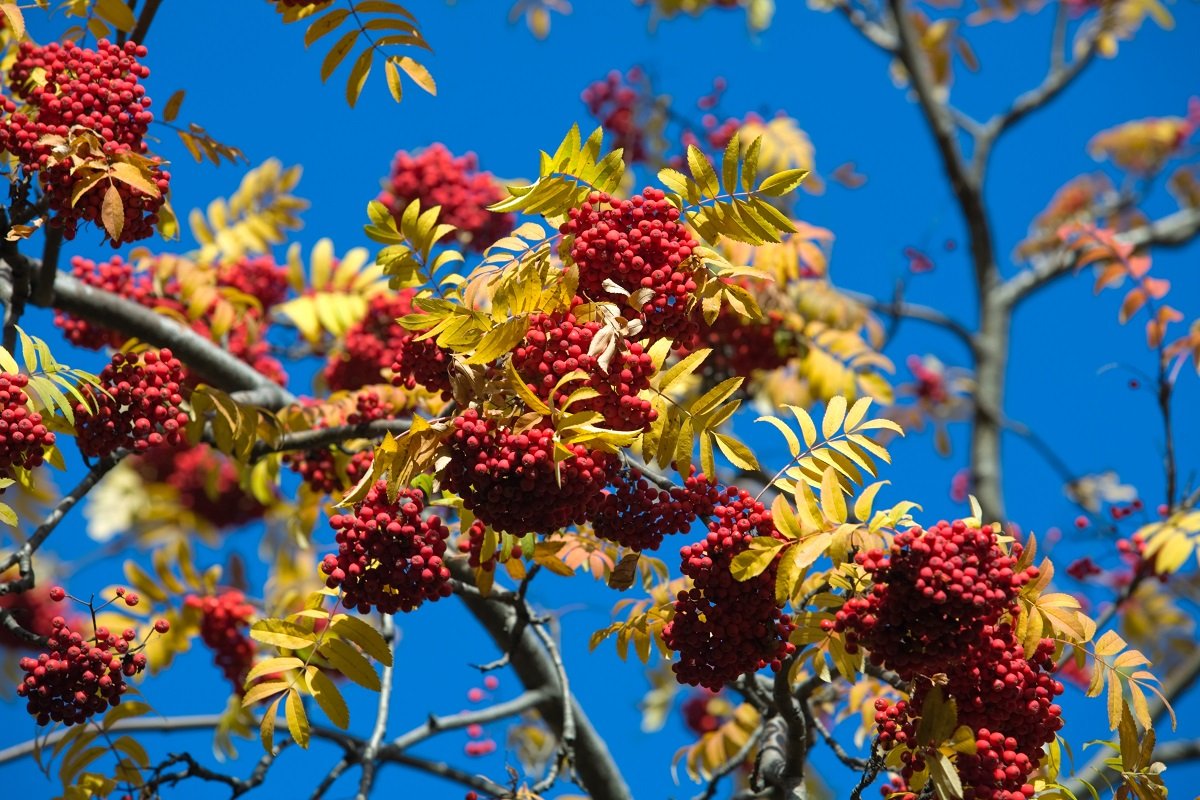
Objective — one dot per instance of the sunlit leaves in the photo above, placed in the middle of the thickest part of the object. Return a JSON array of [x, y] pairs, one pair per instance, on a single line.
[[716, 207], [255, 218], [333, 292], [1171, 543], [375, 26], [565, 178], [308, 652], [716, 748], [406, 258]]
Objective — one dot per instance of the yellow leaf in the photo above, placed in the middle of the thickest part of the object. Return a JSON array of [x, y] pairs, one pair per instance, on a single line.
[[328, 697], [358, 76], [833, 502], [297, 719], [419, 74], [112, 213]]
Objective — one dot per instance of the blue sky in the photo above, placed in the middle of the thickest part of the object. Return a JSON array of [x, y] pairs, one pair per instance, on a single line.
[[504, 95]]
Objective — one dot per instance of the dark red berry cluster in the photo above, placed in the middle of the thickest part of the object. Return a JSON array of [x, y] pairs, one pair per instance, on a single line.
[[62, 86], [636, 244], [698, 714], [224, 620], [1005, 698], [139, 407], [931, 383], [557, 344], [936, 609], [618, 104], [115, 276], [933, 590], [260, 277], [23, 436], [437, 178], [740, 347], [724, 628], [378, 342], [638, 515], [79, 677], [205, 481], [510, 480], [389, 557]]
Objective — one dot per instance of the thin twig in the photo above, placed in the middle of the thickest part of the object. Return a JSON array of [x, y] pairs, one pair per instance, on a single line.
[[435, 725], [381, 716]]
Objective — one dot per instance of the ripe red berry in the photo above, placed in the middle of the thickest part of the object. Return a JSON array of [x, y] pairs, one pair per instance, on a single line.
[[475, 695], [639, 245], [140, 407], [162, 626], [637, 515], [491, 683], [389, 557], [437, 178], [57, 594], [23, 436]]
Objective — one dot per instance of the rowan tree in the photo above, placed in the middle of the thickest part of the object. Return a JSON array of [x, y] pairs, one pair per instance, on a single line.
[[634, 365]]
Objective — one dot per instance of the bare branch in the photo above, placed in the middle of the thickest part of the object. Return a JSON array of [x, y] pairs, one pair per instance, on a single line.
[[435, 725], [874, 32], [901, 309], [324, 437], [22, 558], [371, 750], [535, 668]]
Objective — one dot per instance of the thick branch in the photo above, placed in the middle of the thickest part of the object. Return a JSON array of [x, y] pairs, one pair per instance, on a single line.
[[212, 362]]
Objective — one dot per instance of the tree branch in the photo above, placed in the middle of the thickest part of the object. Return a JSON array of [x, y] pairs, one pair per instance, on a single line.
[[872, 31], [371, 750], [535, 668], [435, 725], [900, 308], [1172, 230], [209, 360]]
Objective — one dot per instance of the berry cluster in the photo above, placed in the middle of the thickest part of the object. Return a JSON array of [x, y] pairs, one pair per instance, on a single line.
[[205, 481], [378, 342], [138, 407], [1006, 699], [63, 86], [933, 591], [23, 437], [389, 557], [510, 480], [638, 244], [698, 714], [259, 277], [931, 383], [739, 346], [615, 103], [558, 344], [436, 177], [223, 620], [936, 609], [115, 276], [80, 677], [722, 627], [638, 515]]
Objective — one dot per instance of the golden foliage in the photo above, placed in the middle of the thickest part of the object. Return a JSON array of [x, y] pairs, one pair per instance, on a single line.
[[255, 217]]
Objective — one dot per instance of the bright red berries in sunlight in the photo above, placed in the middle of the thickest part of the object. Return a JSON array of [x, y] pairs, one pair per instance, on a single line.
[[436, 177], [510, 480], [636, 253], [224, 620], [63, 88]]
